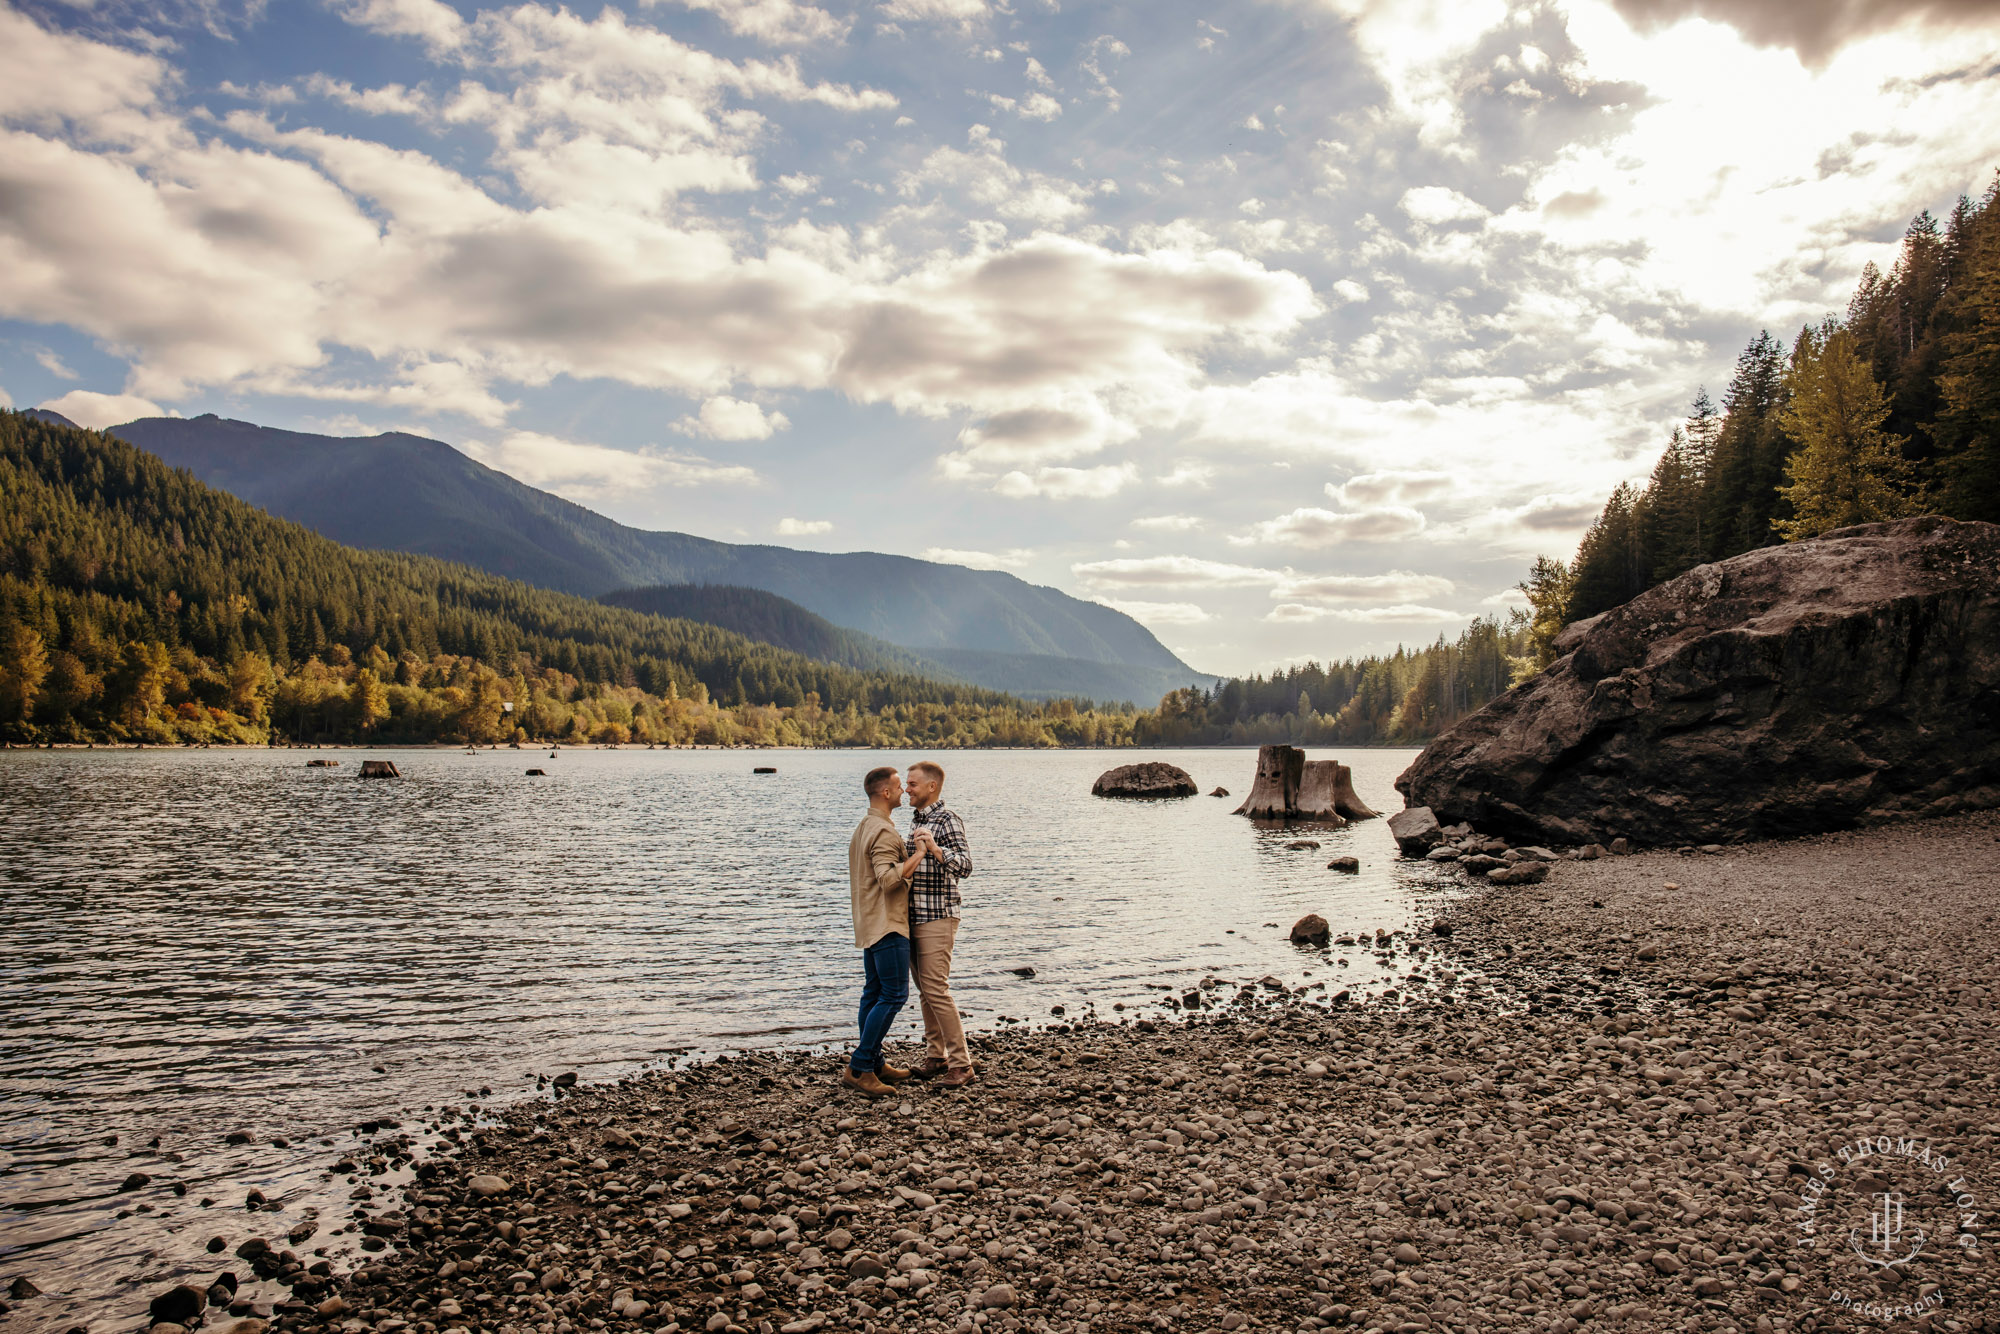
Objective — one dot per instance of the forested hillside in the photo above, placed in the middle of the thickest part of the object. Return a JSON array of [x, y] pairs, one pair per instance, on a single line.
[[1888, 410], [137, 603], [780, 622], [1403, 699], [1005, 633]]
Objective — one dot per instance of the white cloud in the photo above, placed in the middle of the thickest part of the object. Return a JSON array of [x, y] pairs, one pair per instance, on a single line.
[[779, 22], [585, 471], [803, 527], [1394, 586], [1160, 613], [1068, 483], [47, 359], [963, 12], [1173, 572], [1298, 613], [1311, 527], [726, 418], [1390, 488], [1169, 523], [979, 560], [1506, 597], [1195, 475], [432, 22], [1437, 205], [97, 411]]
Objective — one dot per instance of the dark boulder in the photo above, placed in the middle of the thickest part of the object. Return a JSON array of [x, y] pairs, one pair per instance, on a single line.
[[1845, 680], [181, 1305], [1151, 779], [1312, 929]]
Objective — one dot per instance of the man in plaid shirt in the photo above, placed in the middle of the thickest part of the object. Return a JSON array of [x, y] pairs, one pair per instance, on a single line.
[[940, 836]]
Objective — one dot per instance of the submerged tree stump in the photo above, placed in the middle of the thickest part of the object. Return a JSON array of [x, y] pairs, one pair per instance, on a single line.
[[379, 769], [1275, 791], [1319, 792], [1346, 800]]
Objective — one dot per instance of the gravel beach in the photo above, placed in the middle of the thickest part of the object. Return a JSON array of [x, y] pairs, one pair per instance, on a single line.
[[1701, 1090]]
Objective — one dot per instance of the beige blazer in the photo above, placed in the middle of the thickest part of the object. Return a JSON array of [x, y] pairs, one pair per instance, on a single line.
[[881, 895]]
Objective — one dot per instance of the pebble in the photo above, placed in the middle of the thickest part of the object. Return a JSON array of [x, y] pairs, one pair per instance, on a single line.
[[1538, 1133]]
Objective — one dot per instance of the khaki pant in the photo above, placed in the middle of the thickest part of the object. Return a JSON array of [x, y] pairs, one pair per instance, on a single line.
[[930, 961]]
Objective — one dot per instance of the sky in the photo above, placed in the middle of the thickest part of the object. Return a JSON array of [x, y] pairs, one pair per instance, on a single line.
[[1293, 328]]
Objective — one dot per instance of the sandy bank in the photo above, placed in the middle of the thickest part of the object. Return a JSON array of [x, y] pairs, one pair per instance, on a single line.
[[1629, 1097]]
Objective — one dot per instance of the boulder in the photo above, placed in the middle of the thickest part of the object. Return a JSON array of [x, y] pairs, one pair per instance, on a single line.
[[1415, 830], [1148, 780], [181, 1305], [1349, 865], [1319, 792], [1312, 929], [1275, 790], [1220, 792], [1845, 680]]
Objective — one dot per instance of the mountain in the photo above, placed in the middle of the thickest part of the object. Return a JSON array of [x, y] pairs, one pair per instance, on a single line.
[[780, 622], [770, 619], [445, 504], [138, 603]]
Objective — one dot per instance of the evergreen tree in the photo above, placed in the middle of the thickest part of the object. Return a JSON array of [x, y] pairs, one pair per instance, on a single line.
[[1739, 494], [1967, 429], [1846, 469]]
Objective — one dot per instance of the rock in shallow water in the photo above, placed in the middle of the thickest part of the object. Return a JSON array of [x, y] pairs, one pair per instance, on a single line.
[[1150, 779]]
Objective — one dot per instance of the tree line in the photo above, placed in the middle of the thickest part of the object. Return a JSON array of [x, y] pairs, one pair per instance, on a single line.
[[1887, 410], [139, 605]]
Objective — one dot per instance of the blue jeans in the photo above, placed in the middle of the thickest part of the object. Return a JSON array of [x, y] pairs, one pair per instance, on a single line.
[[887, 963]]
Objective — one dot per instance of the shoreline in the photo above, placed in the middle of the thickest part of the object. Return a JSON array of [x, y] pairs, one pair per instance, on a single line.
[[1611, 1119], [1611, 1125]]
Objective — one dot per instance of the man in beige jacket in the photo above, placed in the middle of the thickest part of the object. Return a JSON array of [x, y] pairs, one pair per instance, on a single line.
[[878, 881]]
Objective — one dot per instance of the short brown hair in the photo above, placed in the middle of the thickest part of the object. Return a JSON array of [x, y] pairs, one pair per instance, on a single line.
[[876, 780], [931, 767]]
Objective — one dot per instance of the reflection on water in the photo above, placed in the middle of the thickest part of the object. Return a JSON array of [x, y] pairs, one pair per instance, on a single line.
[[202, 942]]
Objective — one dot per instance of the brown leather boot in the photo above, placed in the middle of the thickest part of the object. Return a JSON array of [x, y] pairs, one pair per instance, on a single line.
[[891, 1074], [865, 1083], [932, 1066], [956, 1079]]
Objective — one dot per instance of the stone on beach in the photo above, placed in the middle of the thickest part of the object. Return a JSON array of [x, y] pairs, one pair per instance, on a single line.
[[1151, 779], [1514, 1140], [1415, 830], [1846, 680], [1312, 929], [487, 1185], [1346, 865]]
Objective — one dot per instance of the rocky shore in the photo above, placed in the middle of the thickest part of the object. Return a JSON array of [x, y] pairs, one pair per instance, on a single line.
[[1634, 1095]]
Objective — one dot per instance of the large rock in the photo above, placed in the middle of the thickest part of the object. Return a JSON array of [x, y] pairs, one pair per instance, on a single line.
[[1840, 681], [1415, 830], [1151, 779]]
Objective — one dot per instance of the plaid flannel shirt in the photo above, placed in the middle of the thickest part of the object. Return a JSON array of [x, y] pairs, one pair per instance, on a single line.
[[934, 887]]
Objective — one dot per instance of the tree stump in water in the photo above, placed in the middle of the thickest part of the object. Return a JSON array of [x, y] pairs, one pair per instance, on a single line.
[[1276, 787], [1319, 792], [1346, 800], [379, 769]]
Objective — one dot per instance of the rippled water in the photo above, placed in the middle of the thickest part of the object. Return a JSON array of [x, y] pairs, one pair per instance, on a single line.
[[205, 941]]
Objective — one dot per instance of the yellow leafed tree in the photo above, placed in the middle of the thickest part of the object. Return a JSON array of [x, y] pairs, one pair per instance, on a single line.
[[1846, 470]]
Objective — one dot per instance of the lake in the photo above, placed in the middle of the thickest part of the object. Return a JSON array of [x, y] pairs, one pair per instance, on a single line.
[[200, 942]]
